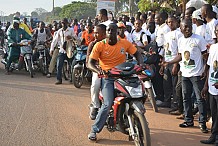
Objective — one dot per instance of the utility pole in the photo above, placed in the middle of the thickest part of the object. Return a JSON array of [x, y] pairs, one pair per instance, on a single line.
[[130, 8], [53, 9]]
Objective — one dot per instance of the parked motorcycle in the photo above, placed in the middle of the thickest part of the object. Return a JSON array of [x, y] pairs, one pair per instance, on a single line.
[[25, 59], [146, 77], [127, 112], [79, 69]]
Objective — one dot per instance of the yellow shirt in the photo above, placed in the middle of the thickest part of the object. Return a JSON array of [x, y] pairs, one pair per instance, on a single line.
[[26, 28]]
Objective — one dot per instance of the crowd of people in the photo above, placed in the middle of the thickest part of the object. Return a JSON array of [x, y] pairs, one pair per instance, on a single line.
[[185, 80]]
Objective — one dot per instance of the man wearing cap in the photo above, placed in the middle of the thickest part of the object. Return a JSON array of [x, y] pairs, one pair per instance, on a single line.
[[121, 29], [21, 24], [15, 35], [63, 35], [197, 19]]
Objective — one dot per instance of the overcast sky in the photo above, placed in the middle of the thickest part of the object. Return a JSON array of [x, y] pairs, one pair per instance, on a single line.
[[12, 6]]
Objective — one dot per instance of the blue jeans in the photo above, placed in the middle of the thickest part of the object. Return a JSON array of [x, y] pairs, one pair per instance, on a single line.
[[107, 88], [60, 64], [188, 85]]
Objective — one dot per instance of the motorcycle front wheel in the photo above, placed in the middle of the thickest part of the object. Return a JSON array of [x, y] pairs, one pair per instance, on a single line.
[[140, 126], [152, 99], [30, 69], [77, 77], [66, 71], [43, 67]]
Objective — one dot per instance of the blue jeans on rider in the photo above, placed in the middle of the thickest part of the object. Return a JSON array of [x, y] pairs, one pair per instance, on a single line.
[[107, 89], [60, 64], [188, 85]]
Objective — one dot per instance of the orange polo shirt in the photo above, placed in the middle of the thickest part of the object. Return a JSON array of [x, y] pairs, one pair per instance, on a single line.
[[111, 56], [89, 37]]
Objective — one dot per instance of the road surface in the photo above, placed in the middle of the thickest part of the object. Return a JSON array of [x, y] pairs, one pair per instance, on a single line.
[[36, 112]]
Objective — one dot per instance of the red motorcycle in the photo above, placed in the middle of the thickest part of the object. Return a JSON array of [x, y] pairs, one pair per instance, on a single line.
[[128, 112]]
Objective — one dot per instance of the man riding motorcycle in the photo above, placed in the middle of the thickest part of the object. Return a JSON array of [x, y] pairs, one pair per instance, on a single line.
[[41, 35], [15, 35], [110, 52]]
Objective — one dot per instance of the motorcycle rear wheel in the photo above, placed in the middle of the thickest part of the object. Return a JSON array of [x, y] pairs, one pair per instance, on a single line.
[[77, 77], [140, 126]]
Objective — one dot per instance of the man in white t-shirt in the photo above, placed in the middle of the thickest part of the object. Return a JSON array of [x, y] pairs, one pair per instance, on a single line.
[[198, 20], [103, 17], [208, 14], [190, 48], [170, 72], [211, 86], [139, 37], [161, 29]]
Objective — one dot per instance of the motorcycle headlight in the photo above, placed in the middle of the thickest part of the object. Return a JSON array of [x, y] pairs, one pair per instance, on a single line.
[[135, 92]]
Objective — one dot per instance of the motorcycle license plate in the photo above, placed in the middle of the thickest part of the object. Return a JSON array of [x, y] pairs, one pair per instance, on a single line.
[[26, 49]]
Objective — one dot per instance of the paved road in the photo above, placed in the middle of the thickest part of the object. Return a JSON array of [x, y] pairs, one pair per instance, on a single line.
[[35, 112]]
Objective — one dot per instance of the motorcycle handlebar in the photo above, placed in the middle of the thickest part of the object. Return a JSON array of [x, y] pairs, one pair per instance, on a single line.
[[112, 73]]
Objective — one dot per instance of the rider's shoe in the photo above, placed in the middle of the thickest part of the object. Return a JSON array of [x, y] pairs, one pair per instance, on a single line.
[[58, 82], [48, 75], [92, 136], [7, 73], [93, 112]]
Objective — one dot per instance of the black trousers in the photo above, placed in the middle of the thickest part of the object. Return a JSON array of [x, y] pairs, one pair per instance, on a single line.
[[214, 113]]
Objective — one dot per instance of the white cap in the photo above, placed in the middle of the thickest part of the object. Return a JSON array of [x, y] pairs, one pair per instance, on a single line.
[[129, 23], [197, 14]]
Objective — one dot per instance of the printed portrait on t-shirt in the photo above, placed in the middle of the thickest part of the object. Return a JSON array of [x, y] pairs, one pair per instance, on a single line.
[[215, 68], [167, 51], [188, 61]]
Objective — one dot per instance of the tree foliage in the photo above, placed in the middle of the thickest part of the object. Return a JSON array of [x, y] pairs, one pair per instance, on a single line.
[[79, 10]]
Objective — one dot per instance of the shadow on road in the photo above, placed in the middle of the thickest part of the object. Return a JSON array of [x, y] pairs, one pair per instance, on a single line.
[[114, 142]]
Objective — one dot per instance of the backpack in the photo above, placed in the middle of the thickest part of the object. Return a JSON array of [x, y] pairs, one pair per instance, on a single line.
[[141, 35], [153, 56]]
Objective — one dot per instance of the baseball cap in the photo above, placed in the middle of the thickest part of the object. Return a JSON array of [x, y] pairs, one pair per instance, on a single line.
[[197, 14], [129, 23]]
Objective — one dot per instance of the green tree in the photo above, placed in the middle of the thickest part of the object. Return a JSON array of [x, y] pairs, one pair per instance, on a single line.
[[34, 14], [79, 10], [57, 11], [147, 5]]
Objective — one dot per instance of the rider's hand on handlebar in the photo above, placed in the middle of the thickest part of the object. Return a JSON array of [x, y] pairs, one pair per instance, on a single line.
[[14, 44]]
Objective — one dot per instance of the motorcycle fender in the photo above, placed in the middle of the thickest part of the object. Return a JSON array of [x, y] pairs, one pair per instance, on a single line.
[[27, 56], [78, 66], [138, 106], [147, 84]]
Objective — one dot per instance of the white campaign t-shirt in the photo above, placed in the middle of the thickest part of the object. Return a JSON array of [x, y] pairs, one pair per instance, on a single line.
[[106, 23], [160, 32], [136, 37], [194, 45], [201, 30], [128, 36], [210, 31], [171, 44], [213, 71]]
